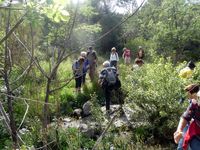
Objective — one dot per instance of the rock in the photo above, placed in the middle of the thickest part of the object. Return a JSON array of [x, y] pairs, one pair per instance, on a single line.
[[87, 108], [77, 113], [23, 131], [67, 119]]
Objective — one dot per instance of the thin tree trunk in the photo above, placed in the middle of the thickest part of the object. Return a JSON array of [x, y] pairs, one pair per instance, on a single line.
[[46, 112], [9, 92]]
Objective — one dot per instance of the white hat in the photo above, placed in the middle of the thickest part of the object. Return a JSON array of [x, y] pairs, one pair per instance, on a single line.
[[83, 54], [106, 63]]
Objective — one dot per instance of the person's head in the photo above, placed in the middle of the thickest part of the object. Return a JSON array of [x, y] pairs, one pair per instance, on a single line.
[[90, 48], [124, 49], [140, 47], [191, 65], [140, 53], [113, 49], [192, 90], [81, 59], [106, 64], [83, 54], [139, 62]]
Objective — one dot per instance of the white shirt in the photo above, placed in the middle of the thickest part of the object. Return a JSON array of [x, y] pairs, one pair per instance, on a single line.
[[114, 56]]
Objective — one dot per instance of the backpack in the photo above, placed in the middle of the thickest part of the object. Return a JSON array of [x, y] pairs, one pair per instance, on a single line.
[[75, 66], [110, 76]]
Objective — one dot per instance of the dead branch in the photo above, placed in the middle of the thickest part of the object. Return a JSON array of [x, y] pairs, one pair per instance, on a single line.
[[27, 99], [27, 108], [13, 29], [35, 60]]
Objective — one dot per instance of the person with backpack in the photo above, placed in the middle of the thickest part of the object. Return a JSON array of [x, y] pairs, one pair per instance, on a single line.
[[114, 58], [92, 59], [187, 72], [191, 117], [126, 56], [108, 80], [77, 68], [85, 65]]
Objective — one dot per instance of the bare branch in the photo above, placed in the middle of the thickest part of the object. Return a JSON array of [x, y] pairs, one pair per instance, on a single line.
[[62, 85], [45, 145], [27, 108], [12, 8], [24, 73], [13, 29], [7, 121], [27, 99], [10, 56], [30, 55]]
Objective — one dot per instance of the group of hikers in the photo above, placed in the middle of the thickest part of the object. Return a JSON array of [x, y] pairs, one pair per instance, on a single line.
[[87, 63], [108, 76], [187, 135]]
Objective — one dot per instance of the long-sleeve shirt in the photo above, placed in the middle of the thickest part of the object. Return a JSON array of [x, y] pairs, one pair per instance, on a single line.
[[193, 111], [114, 56]]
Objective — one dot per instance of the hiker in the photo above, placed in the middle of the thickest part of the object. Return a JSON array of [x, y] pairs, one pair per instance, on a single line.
[[108, 80], [85, 66], [190, 135], [92, 59], [77, 68], [140, 53], [186, 72], [114, 58], [138, 63], [126, 56]]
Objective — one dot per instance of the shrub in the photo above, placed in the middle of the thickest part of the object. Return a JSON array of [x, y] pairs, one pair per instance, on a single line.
[[155, 89]]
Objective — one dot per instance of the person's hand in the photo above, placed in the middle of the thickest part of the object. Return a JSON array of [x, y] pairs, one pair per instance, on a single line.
[[177, 136]]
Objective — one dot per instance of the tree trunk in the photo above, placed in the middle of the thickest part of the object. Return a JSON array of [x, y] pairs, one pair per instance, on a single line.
[[46, 112], [7, 85]]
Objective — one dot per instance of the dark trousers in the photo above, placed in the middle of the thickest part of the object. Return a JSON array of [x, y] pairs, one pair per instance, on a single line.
[[107, 92], [78, 80], [83, 78]]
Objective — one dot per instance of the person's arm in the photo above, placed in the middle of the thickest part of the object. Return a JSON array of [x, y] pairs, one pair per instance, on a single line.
[[117, 57], [95, 56], [185, 118], [123, 55], [101, 77], [110, 56], [179, 132]]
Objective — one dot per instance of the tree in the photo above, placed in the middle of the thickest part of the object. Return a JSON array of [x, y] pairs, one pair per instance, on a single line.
[[169, 25]]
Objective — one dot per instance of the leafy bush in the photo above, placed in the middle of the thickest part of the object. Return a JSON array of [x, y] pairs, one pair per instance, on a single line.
[[69, 138], [155, 89], [5, 137]]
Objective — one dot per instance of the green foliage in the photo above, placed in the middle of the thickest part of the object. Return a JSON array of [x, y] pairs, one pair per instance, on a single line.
[[5, 137], [55, 11], [157, 89], [148, 46], [172, 25], [96, 109], [70, 138]]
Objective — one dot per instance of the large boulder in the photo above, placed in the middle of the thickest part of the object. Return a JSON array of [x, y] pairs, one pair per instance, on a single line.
[[87, 108]]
